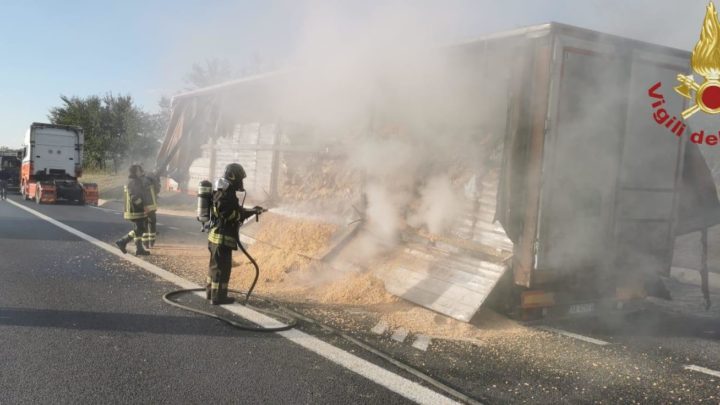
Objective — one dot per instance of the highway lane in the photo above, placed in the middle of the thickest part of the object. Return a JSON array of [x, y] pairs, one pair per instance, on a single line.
[[79, 326], [644, 361], [681, 330]]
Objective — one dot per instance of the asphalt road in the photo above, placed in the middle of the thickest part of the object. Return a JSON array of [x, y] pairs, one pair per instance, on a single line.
[[77, 325]]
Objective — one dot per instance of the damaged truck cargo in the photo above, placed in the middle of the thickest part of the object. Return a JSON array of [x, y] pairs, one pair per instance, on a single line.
[[523, 169]]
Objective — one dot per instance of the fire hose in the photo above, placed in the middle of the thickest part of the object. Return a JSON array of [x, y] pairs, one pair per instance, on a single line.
[[290, 322]]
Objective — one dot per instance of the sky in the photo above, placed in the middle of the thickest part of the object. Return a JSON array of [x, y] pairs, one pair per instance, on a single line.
[[145, 48]]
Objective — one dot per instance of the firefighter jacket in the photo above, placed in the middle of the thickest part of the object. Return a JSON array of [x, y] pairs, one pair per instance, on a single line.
[[151, 186], [134, 200], [227, 217]]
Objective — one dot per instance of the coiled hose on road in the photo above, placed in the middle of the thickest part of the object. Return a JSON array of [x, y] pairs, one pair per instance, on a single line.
[[290, 321]]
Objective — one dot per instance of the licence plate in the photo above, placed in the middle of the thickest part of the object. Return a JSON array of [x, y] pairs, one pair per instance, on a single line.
[[581, 308]]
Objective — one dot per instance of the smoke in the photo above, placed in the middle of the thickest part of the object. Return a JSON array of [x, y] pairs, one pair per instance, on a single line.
[[401, 111], [376, 79], [439, 205], [383, 212]]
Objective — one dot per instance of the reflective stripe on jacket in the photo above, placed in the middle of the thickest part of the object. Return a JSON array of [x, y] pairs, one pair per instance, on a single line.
[[228, 215]]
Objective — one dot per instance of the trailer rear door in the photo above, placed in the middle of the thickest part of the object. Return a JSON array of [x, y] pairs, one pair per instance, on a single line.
[[587, 117], [610, 171], [650, 169]]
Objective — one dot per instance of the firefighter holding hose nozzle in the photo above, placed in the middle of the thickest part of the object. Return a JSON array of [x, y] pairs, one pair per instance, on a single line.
[[226, 215], [134, 211]]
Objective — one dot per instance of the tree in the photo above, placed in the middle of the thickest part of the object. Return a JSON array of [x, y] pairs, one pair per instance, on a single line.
[[115, 129], [213, 72]]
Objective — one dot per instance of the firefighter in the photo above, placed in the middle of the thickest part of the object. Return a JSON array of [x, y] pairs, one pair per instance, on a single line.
[[151, 182], [222, 239], [134, 211]]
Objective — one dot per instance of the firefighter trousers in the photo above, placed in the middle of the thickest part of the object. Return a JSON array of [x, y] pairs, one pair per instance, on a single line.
[[148, 237], [218, 271], [138, 230]]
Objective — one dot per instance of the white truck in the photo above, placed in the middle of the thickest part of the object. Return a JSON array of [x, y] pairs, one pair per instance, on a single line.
[[52, 164]]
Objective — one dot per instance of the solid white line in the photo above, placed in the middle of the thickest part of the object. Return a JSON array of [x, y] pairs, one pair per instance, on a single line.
[[400, 385], [575, 336], [173, 228], [702, 370], [112, 249]]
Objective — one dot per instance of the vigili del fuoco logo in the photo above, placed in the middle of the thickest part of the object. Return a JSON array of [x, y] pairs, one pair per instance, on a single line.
[[705, 61]]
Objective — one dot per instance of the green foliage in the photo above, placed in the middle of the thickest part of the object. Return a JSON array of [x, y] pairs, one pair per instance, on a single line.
[[115, 129]]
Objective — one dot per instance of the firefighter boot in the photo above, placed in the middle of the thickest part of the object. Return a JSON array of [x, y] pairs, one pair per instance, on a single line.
[[122, 243], [220, 297], [139, 249]]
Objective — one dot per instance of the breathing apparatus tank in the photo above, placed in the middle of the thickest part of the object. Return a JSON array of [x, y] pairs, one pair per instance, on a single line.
[[204, 201]]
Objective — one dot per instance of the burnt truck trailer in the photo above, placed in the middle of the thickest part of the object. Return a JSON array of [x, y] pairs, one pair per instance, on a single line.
[[573, 194]]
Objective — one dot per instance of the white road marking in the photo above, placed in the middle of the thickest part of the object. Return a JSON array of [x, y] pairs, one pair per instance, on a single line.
[[422, 342], [173, 228], [702, 370], [380, 328], [400, 385], [400, 334], [575, 336], [159, 223]]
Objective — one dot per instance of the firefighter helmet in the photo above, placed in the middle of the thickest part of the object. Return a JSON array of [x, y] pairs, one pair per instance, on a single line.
[[234, 173], [135, 171]]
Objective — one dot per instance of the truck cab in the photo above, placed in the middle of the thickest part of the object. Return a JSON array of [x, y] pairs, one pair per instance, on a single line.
[[52, 165]]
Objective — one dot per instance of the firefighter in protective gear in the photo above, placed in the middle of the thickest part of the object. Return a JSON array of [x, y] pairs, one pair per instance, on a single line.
[[134, 211], [151, 182], [227, 216]]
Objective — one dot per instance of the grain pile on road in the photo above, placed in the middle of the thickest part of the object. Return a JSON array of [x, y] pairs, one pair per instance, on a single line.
[[289, 252], [187, 261], [286, 249], [357, 289], [488, 325]]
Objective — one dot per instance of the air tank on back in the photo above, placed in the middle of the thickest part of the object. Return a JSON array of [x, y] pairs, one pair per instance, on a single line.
[[204, 202]]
